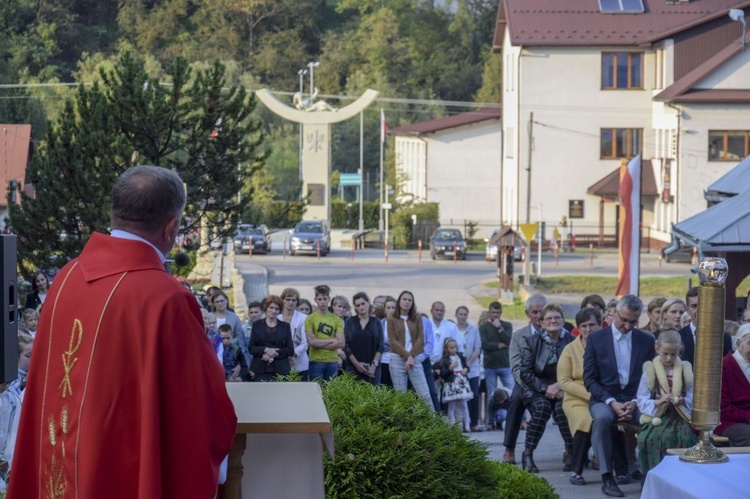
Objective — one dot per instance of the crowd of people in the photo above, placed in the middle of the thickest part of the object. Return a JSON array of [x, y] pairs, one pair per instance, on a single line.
[[609, 386]]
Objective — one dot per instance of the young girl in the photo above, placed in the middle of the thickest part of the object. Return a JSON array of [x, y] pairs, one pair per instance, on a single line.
[[665, 398], [30, 319], [456, 388]]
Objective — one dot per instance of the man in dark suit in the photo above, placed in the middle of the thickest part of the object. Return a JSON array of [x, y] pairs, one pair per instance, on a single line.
[[612, 369], [688, 332]]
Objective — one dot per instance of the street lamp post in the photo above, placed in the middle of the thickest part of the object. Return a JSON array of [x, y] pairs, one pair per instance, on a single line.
[[301, 73], [312, 66]]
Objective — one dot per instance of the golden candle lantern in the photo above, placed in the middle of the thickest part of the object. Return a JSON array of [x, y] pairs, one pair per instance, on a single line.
[[709, 339]]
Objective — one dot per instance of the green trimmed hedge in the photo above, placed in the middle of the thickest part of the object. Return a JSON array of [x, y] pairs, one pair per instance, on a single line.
[[390, 444]]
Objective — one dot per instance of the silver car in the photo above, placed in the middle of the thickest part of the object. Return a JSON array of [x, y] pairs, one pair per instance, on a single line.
[[308, 236], [490, 250]]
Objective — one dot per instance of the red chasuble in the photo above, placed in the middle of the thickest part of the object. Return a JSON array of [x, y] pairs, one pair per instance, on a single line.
[[125, 397]]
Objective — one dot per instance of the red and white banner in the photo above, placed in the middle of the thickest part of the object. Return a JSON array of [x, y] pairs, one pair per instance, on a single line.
[[383, 127], [630, 227]]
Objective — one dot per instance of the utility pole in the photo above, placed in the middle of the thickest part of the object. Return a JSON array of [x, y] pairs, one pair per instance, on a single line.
[[528, 168]]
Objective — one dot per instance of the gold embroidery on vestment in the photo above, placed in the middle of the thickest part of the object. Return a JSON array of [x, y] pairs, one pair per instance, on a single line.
[[56, 482], [68, 361]]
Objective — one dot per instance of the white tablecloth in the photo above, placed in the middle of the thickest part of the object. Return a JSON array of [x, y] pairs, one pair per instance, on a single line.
[[678, 479]]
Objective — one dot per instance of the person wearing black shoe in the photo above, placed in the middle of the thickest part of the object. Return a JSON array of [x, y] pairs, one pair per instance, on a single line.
[[612, 366], [576, 400], [538, 378], [514, 419]]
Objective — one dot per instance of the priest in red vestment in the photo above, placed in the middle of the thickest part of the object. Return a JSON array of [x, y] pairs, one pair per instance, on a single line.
[[125, 396]]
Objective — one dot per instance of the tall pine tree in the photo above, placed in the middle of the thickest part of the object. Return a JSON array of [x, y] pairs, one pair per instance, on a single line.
[[193, 125]]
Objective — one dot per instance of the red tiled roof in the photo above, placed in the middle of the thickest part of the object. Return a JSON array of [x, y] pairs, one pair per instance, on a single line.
[[714, 96], [447, 122], [580, 22], [609, 186], [15, 154], [682, 90]]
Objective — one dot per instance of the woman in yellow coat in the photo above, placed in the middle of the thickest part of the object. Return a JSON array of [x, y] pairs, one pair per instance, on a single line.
[[576, 400]]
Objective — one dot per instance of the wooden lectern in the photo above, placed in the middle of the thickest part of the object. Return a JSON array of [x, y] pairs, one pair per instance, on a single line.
[[281, 428]]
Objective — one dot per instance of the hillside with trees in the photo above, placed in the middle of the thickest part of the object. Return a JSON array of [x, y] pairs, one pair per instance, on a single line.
[[408, 50]]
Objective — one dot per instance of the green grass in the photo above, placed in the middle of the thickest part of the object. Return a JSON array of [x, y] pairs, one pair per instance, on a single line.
[[650, 286]]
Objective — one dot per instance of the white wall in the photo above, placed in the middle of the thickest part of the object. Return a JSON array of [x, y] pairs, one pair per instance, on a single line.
[[463, 172], [734, 74], [411, 165], [562, 87], [510, 166], [697, 172]]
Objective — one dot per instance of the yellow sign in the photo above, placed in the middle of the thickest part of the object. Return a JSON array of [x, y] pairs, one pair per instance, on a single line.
[[556, 234], [529, 230]]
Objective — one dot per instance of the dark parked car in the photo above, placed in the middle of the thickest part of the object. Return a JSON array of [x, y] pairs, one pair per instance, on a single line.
[[252, 238], [444, 242], [307, 235]]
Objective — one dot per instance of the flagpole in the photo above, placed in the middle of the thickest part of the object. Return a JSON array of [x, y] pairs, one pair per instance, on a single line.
[[361, 169], [382, 141]]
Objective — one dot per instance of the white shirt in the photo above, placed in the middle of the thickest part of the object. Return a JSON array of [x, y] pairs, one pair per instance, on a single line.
[[692, 330], [447, 329], [407, 338], [623, 347], [121, 234]]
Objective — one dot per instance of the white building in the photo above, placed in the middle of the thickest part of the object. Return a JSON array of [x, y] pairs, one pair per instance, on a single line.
[[587, 83], [455, 162]]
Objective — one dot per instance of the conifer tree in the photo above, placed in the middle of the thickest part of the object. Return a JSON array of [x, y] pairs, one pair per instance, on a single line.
[[193, 125]]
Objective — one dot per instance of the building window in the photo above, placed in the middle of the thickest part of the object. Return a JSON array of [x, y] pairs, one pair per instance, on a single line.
[[728, 145], [622, 70], [620, 142]]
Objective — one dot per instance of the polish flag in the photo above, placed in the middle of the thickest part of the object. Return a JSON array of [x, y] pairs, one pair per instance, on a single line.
[[630, 227], [383, 127]]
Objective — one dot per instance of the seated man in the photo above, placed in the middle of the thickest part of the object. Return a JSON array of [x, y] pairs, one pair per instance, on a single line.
[[735, 392], [612, 367]]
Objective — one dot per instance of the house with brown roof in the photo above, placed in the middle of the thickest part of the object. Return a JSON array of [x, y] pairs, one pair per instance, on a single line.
[[453, 161], [16, 148], [588, 83]]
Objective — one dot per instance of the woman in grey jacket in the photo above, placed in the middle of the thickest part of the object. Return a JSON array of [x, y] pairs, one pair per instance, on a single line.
[[224, 316]]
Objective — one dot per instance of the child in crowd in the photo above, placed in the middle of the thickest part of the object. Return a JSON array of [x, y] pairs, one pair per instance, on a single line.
[[305, 306], [30, 320], [254, 313], [11, 397], [498, 405], [456, 388], [25, 344], [325, 335], [209, 322], [233, 360], [665, 399]]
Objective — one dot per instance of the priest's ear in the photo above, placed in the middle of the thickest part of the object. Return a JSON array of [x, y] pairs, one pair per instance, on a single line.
[[168, 233]]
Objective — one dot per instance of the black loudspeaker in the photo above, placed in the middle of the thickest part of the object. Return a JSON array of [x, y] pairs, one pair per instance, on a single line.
[[9, 301]]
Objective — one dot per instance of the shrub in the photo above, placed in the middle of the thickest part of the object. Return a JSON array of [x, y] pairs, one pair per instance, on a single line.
[[391, 444]]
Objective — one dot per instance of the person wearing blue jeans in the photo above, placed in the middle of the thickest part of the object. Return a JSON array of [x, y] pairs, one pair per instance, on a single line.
[[495, 336]]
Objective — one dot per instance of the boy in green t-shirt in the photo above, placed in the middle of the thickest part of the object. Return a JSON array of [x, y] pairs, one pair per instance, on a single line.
[[325, 335]]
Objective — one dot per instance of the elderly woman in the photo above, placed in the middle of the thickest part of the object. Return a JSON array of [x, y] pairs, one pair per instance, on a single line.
[[671, 315], [576, 400], [735, 392], [271, 344], [541, 393]]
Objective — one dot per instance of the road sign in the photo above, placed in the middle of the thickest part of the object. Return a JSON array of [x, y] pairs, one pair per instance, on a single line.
[[386, 206], [529, 230]]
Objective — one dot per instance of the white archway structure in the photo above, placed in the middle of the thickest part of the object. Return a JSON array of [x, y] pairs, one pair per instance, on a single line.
[[316, 124]]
